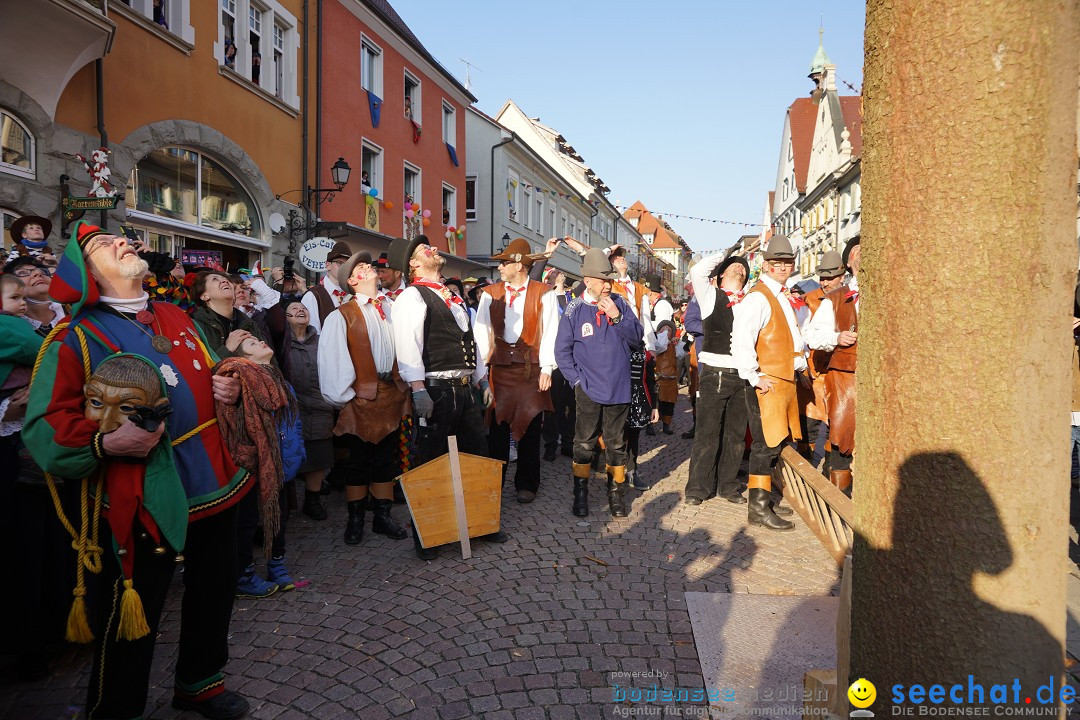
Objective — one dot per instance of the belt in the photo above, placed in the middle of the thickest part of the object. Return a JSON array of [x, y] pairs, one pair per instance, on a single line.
[[447, 382], [722, 369]]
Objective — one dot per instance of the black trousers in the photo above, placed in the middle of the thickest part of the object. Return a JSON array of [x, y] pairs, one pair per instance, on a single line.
[[762, 457], [594, 419], [720, 435], [121, 670], [372, 462], [560, 423], [527, 475], [838, 460], [457, 412], [248, 520], [633, 445]]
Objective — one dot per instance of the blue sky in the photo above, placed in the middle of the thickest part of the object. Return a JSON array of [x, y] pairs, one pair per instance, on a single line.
[[678, 104]]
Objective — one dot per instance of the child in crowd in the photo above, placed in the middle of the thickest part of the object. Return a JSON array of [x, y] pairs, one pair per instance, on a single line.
[[17, 354], [263, 433]]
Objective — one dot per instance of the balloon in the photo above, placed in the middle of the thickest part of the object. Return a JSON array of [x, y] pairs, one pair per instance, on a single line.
[[388, 205], [448, 234], [460, 235], [427, 213], [461, 228], [426, 222], [408, 205], [452, 228], [409, 213], [373, 192]]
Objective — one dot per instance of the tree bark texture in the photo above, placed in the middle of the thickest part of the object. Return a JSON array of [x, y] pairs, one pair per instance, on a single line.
[[969, 256]]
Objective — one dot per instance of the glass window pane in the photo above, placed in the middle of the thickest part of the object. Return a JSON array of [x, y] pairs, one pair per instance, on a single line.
[[225, 205], [167, 180], [17, 146]]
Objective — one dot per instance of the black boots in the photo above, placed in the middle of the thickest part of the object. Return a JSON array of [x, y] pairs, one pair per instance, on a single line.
[[354, 531], [689, 434], [666, 420], [616, 490], [313, 506], [581, 489], [384, 524], [759, 505], [650, 430], [422, 552]]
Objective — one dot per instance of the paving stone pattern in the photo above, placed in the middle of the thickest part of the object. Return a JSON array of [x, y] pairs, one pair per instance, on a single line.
[[539, 627]]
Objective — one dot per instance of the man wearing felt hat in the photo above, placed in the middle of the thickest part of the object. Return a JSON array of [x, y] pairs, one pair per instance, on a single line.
[[391, 281], [720, 431], [835, 329], [359, 376], [183, 495], [768, 352], [436, 355], [812, 402], [516, 324], [596, 335], [328, 294]]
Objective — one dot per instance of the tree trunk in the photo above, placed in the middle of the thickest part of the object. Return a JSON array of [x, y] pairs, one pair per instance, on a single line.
[[969, 258]]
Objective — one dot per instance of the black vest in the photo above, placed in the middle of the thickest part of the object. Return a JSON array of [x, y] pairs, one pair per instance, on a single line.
[[446, 347], [717, 327]]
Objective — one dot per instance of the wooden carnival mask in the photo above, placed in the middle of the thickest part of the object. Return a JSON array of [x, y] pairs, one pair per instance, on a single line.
[[125, 386]]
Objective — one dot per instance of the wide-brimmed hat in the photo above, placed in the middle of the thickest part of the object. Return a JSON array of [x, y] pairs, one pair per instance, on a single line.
[[847, 249], [340, 251], [719, 270], [17, 227], [652, 282], [355, 259], [516, 251], [831, 265], [380, 262], [779, 249], [666, 324], [597, 265], [401, 251]]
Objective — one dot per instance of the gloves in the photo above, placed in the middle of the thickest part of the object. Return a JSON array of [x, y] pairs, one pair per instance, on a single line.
[[489, 397], [422, 403]]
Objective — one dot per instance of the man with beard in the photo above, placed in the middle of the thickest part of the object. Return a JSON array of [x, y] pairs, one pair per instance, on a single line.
[[516, 325], [812, 402], [597, 333], [768, 351], [172, 488], [437, 356], [40, 308], [391, 281], [327, 295]]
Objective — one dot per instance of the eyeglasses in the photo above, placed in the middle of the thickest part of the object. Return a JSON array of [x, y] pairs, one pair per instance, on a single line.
[[337, 261], [25, 273]]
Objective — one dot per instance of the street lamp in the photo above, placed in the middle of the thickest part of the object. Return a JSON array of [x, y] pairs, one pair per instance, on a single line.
[[305, 225], [506, 240]]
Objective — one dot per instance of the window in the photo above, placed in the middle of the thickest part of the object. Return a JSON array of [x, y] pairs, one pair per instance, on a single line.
[[190, 187], [255, 17], [279, 61], [647, 238], [370, 67], [551, 220], [538, 222], [633, 222], [16, 147], [449, 207], [412, 97], [370, 164], [470, 198], [563, 224], [513, 193], [411, 185], [526, 205], [449, 124], [228, 24]]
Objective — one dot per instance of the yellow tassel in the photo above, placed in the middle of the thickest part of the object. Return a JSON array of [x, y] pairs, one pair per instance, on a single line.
[[78, 628], [132, 617]]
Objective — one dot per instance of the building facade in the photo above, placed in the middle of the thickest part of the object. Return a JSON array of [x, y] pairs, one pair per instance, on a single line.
[[667, 245]]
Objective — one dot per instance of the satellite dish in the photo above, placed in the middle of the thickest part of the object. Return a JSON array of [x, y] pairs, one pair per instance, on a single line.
[[277, 222]]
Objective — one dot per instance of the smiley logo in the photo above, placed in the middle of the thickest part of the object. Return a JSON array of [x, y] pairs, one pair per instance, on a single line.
[[862, 693]]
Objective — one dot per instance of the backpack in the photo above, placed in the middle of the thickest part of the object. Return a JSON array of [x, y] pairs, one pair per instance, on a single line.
[[293, 454]]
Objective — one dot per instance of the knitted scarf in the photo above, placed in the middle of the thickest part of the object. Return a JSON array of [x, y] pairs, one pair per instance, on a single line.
[[250, 430]]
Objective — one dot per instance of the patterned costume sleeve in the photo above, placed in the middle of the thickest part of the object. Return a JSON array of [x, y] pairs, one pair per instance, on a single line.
[[56, 432], [21, 343]]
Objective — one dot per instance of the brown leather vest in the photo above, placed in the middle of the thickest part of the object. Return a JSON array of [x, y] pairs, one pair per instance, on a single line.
[[846, 319], [819, 359], [775, 347], [639, 294], [324, 301], [504, 353]]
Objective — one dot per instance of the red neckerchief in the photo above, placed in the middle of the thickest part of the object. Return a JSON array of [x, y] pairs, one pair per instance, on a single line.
[[796, 302], [599, 313], [377, 302], [852, 295], [733, 298], [392, 294], [448, 297], [339, 295], [515, 293]]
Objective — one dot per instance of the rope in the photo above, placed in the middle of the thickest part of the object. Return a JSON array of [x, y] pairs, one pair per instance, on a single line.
[[193, 433]]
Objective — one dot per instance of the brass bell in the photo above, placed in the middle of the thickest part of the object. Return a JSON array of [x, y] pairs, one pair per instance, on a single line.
[[121, 551], [179, 558], [159, 550]]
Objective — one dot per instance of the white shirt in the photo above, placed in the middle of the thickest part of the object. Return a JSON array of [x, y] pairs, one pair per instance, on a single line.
[[266, 297], [821, 331], [336, 371], [754, 314], [410, 311], [400, 286], [514, 324], [630, 288], [706, 295], [312, 304]]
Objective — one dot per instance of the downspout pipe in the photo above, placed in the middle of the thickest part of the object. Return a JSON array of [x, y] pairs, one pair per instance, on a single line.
[[304, 111], [513, 135], [318, 110], [99, 72]]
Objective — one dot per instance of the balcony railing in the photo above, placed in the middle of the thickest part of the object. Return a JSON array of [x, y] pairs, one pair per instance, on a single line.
[[825, 510]]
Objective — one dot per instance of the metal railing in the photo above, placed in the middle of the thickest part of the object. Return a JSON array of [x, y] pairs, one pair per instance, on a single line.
[[827, 511]]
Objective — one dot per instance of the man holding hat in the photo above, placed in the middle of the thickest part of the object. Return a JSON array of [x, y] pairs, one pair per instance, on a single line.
[[597, 333], [29, 235], [327, 295], [812, 401], [359, 376], [768, 351], [516, 324], [631, 291], [835, 328], [721, 395]]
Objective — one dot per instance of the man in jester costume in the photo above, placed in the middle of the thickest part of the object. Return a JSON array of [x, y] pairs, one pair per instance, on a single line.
[[155, 483]]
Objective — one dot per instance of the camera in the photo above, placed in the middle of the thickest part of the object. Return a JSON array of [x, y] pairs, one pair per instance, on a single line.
[[287, 268]]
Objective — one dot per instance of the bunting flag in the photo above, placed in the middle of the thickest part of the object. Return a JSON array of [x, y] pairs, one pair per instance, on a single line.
[[256, 269], [415, 132], [453, 154], [374, 104]]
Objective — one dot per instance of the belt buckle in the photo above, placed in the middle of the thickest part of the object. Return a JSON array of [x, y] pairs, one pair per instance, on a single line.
[[463, 381]]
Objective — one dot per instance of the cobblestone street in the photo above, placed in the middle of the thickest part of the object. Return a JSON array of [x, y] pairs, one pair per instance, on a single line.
[[539, 627]]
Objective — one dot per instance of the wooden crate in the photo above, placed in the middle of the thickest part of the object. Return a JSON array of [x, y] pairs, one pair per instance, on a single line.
[[429, 492]]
